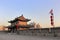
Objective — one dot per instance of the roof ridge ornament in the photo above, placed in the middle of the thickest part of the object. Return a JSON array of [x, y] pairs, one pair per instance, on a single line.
[[22, 15]]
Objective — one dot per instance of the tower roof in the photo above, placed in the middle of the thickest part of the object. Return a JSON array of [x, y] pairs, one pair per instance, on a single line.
[[20, 18]]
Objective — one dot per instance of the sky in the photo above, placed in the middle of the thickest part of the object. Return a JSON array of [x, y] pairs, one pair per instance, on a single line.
[[36, 10]]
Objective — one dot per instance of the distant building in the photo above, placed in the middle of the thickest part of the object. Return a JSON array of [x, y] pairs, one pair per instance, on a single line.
[[2, 28], [38, 26]]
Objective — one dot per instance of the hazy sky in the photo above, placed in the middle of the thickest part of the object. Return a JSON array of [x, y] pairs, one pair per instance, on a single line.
[[36, 10]]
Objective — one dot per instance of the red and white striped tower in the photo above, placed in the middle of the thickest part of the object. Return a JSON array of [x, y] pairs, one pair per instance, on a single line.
[[52, 17]]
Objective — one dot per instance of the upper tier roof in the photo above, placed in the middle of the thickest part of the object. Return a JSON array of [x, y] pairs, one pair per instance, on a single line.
[[20, 18]]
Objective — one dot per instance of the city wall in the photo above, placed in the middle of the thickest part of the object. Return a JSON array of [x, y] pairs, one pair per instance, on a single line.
[[41, 32]]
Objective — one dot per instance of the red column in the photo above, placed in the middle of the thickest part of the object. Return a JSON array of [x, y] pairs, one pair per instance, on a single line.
[[16, 26]]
